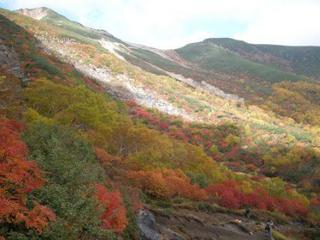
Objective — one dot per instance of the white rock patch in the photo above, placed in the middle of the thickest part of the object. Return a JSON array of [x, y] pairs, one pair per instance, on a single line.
[[112, 47], [37, 13]]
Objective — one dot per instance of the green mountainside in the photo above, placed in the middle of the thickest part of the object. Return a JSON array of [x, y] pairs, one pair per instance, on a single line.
[[299, 60]]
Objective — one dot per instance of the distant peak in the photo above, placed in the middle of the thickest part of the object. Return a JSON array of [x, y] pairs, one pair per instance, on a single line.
[[36, 13], [220, 40]]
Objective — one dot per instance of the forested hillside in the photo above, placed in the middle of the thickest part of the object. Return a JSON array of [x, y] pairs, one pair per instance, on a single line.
[[90, 142]]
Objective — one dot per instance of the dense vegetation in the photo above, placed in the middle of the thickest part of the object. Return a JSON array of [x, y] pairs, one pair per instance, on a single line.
[[300, 100], [78, 164], [60, 134], [19, 177]]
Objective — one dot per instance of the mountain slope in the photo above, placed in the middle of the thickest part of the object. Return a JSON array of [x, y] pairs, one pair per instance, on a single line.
[[93, 128], [229, 64], [237, 70], [299, 60], [123, 79], [53, 18], [211, 57]]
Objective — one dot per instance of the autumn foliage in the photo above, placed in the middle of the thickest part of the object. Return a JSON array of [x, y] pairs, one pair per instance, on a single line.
[[114, 214], [230, 195], [105, 158], [167, 183], [19, 177]]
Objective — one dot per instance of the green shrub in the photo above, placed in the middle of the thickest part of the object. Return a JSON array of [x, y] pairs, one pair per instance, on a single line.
[[71, 170]]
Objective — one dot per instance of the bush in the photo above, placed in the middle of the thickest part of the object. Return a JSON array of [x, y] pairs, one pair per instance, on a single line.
[[71, 172], [19, 179], [167, 183]]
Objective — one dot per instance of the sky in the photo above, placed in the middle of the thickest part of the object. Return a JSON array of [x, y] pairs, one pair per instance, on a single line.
[[171, 24]]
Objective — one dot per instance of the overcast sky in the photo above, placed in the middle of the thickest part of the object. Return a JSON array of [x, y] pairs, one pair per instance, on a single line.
[[174, 23]]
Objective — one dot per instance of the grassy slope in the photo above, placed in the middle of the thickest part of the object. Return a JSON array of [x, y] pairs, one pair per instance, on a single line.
[[303, 60], [214, 58]]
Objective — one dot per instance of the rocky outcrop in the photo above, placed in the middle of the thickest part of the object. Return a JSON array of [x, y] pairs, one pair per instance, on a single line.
[[182, 224], [9, 61], [147, 226], [35, 13]]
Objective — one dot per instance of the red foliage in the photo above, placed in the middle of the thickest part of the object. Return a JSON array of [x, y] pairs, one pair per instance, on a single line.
[[179, 134], [233, 152], [167, 183], [228, 194], [257, 178], [131, 103], [10, 143], [94, 85], [251, 167], [233, 164], [140, 112], [291, 207], [18, 177], [315, 202], [163, 126], [114, 215], [39, 217]]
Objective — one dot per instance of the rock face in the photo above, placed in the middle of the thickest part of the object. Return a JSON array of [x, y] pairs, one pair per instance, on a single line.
[[36, 13], [147, 226], [187, 224], [9, 60]]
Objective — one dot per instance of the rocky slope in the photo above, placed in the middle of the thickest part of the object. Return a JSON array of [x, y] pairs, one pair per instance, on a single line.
[[185, 224]]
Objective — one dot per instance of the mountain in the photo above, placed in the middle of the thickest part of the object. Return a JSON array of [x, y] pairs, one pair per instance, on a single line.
[[131, 142], [53, 18], [228, 64], [238, 70], [299, 60]]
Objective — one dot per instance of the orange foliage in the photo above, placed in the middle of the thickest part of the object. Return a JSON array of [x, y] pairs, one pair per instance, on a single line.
[[18, 177], [167, 183], [114, 215], [104, 157], [39, 217]]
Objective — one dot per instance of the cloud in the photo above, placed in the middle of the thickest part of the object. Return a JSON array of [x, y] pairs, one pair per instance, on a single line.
[[173, 23], [288, 24]]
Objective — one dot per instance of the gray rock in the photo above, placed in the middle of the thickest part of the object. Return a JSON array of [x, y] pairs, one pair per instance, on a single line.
[[9, 60], [147, 226]]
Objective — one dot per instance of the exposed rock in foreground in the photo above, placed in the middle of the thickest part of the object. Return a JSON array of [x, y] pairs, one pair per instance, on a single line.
[[183, 224], [147, 226]]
